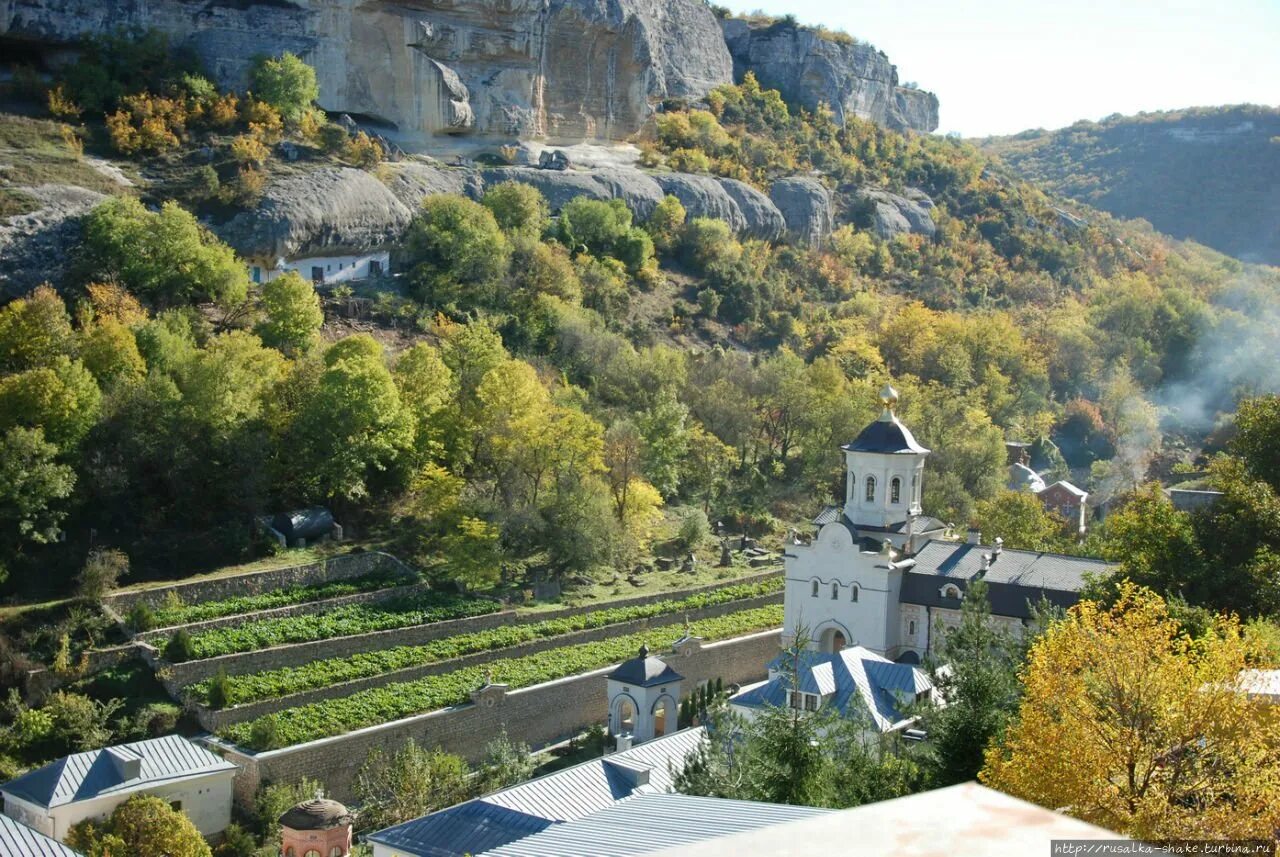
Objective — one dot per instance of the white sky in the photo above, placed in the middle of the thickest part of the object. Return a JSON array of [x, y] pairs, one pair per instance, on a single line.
[[1002, 66]]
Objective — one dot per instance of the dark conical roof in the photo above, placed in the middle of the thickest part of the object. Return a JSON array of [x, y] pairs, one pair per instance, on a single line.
[[644, 671], [888, 436], [316, 814]]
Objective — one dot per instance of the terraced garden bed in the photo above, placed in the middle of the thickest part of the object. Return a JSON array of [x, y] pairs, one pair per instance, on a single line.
[[345, 621], [399, 700], [272, 684], [167, 617]]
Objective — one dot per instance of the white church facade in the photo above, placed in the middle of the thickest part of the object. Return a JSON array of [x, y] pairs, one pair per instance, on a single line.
[[881, 575]]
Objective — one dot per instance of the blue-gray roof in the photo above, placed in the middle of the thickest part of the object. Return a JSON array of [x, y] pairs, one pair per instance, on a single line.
[[1014, 577], [852, 681], [18, 840], [645, 671], [888, 436], [84, 776], [646, 822], [513, 813]]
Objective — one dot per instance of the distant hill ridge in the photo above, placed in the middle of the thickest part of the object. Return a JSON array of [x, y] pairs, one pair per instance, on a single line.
[[1211, 174]]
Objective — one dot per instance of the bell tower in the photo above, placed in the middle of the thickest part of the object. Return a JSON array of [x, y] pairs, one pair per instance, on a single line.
[[884, 471]]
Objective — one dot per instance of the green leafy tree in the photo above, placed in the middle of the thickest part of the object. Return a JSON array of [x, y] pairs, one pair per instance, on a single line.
[[165, 256], [473, 553], [665, 223], [110, 352], [62, 399], [352, 427], [979, 690], [1022, 521], [1257, 439], [292, 316], [101, 572], [33, 487], [412, 782], [34, 331], [286, 83], [429, 392], [145, 826], [505, 763], [518, 208], [455, 251]]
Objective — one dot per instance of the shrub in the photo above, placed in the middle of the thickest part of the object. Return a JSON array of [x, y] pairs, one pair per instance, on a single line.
[[100, 574], [286, 83], [178, 649], [219, 693], [332, 138], [147, 123], [694, 529], [247, 149], [519, 208], [364, 151], [142, 617], [61, 105], [264, 734]]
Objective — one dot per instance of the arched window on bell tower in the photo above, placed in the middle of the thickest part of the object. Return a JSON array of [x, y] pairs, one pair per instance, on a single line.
[[871, 489], [895, 490], [835, 591]]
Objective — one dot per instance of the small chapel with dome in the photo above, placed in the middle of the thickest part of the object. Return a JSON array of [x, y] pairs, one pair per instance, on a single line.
[[881, 574]]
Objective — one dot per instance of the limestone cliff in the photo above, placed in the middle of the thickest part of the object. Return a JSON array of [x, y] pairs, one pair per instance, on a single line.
[[808, 68], [564, 70]]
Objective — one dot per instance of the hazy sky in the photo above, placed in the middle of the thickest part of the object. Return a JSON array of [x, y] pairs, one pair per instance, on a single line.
[[1001, 66]]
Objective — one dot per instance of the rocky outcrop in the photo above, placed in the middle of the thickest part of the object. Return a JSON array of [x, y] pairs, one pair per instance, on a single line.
[[325, 211], [812, 68], [39, 246], [558, 69], [705, 196], [805, 203], [891, 214]]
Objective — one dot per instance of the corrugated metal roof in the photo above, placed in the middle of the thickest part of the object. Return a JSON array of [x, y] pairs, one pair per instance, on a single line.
[[18, 840], [852, 681], [82, 776], [646, 822], [828, 515], [521, 810]]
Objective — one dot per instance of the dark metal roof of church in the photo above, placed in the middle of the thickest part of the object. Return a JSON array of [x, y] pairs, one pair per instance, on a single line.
[[886, 435], [645, 671], [1014, 578]]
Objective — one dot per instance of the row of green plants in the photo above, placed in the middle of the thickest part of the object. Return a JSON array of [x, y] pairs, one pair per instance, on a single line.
[[222, 690], [395, 701], [402, 612], [173, 612]]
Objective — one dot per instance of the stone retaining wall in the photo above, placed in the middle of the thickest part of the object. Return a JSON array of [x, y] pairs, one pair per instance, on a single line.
[[540, 715], [341, 567], [294, 654], [213, 720]]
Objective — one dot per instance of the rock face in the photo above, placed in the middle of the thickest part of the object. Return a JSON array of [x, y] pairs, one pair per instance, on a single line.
[[558, 69], [805, 203], [324, 211], [808, 68], [39, 246], [891, 214]]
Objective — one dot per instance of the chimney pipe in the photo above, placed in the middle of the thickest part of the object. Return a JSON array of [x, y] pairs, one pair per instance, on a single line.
[[986, 561], [998, 548]]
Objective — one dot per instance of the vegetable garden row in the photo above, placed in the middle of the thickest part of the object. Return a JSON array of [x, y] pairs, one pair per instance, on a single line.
[[404, 699], [275, 683], [421, 609], [182, 614]]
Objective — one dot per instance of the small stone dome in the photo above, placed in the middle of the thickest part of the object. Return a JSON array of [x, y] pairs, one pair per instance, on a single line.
[[316, 814]]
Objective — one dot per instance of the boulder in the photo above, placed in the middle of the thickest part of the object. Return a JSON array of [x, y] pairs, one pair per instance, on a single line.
[[892, 214], [331, 210], [560, 69], [805, 204], [411, 181], [707, 196], [811, 68], [39, 246]]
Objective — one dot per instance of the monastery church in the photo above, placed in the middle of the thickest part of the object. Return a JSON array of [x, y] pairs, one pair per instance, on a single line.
[[879, 573]]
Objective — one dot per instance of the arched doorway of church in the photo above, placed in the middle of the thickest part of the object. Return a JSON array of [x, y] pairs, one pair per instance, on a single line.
[[833, 640]]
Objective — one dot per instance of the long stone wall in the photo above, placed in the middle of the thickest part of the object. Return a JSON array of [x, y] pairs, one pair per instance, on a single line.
[[294, 654], [538, 715], [342, 567], [213, 720]]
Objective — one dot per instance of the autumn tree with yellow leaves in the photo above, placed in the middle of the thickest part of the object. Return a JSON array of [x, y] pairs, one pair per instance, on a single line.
[[1129, 723]]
